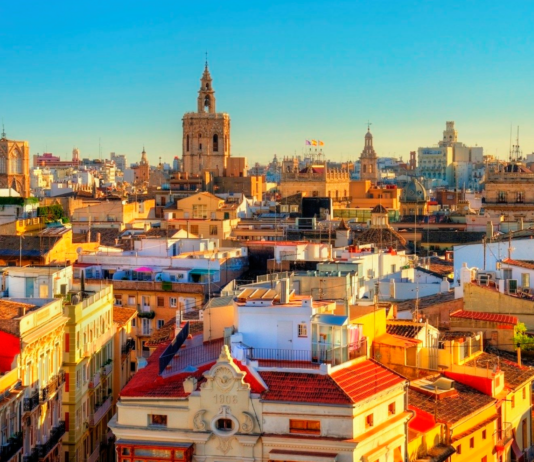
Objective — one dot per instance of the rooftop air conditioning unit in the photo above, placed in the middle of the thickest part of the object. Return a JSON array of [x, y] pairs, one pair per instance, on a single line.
[[444, 384]]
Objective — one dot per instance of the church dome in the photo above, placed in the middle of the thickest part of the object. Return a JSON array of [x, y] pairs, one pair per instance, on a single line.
[[368, 134], [414, 191]]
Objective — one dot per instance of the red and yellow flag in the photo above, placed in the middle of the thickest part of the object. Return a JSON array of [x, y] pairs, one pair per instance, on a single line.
[[314, 142]]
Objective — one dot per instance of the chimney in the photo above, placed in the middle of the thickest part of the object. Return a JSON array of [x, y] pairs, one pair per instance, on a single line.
[[520, 224], [489, 230], [284, 291], [98, 237], [88, 235], [190, 384]]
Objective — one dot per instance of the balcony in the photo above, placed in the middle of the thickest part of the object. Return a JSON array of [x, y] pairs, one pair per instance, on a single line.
[[32, 457], [53, 385], [503, 436], [106, 370], [128, 346], [94, 455], [56, 434], [100, 412], [32, 402], [13, 446], [95, 382]]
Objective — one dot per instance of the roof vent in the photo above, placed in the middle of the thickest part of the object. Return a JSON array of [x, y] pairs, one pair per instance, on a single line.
[[444, 384]]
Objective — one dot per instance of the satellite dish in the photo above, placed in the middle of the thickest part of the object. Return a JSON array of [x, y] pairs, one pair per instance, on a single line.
[[79, 250]]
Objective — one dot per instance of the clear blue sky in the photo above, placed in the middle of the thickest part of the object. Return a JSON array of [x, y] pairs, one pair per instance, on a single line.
[[126, 71]]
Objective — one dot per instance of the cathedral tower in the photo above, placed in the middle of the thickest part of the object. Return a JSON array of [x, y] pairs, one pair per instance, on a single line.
[[206, 133], [15, 165], [368, 160]]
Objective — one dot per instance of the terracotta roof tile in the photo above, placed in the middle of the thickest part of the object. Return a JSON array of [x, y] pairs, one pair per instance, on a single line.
[[364, 379], [122, 315], [528, 264], [514, 375], [481, 316], [302, 388], [10, 309], [450, 409], [404, 330]]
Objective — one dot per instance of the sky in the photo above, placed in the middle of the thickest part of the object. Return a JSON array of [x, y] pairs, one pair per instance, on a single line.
[[114, 76]]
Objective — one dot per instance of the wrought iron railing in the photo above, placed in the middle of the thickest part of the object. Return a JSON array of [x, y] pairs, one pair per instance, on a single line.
[[504, 434], [56, 434], [13, 445], [32, 402], [128, 346]]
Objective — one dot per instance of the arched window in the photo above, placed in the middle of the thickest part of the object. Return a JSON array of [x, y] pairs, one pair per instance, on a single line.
[[207, 103], [3, 165], [15, 163], [215, 143], [187, 143], [200, 142]]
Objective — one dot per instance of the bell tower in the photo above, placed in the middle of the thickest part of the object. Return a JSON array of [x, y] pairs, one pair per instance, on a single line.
[[15, 165], [368, 159], [206, 133]]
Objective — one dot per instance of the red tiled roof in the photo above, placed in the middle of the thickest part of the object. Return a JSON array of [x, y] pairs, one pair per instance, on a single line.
[[481, 316], [521, 263], [302, 388], [147, 382], [364, 379]]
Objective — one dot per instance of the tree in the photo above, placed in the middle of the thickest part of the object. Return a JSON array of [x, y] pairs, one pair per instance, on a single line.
[[522, 339]]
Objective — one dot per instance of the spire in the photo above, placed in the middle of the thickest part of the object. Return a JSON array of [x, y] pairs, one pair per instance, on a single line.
[[206, 95], [3, 131]]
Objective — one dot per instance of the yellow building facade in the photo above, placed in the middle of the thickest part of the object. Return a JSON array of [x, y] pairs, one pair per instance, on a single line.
[[88, 364]]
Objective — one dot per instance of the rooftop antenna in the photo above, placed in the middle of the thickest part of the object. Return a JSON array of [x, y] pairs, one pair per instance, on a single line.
[[3, 130], [510, 149], [206, 59]]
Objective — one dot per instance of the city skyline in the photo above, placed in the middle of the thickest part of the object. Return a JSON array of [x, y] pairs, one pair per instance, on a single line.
[[122, 76]]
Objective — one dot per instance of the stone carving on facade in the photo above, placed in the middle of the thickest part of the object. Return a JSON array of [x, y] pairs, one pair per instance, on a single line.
[[225, 444], [248, 425], [199, 424]]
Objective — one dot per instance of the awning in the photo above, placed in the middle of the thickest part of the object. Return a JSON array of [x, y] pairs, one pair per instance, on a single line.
[[519, 456], [302, 456], [201, 272], [144, 269]]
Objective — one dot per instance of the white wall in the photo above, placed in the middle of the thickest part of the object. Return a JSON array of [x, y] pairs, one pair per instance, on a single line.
[[473, 254]]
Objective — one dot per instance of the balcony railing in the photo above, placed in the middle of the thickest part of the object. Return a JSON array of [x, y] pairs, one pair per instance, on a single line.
[[504, 435], [55, 437], [128, 346], [94, 455], [106, 370], [13, 445], [53, 385], [100, 412], [32, 457], [32, 402], [95, 382]]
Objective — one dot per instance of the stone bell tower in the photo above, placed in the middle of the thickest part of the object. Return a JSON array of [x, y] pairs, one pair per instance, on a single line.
[[206, 133], [15, 165], [368, 160]]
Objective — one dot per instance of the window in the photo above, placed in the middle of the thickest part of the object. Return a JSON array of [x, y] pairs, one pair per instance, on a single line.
[[161, 323], [502, 196], [173, 302], [393, 268], [303, 330], [131, 300], [187, 143], [133, 322], [157, 419], [369, 421], [161, 301], [194, 229], [524, 392], [459, 449], [311, 427], [118, 300], [391, 408], [200, 211], [484, 434], [215, 143], [472, 442], [520, 197], [224, 425], [213, 230]]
